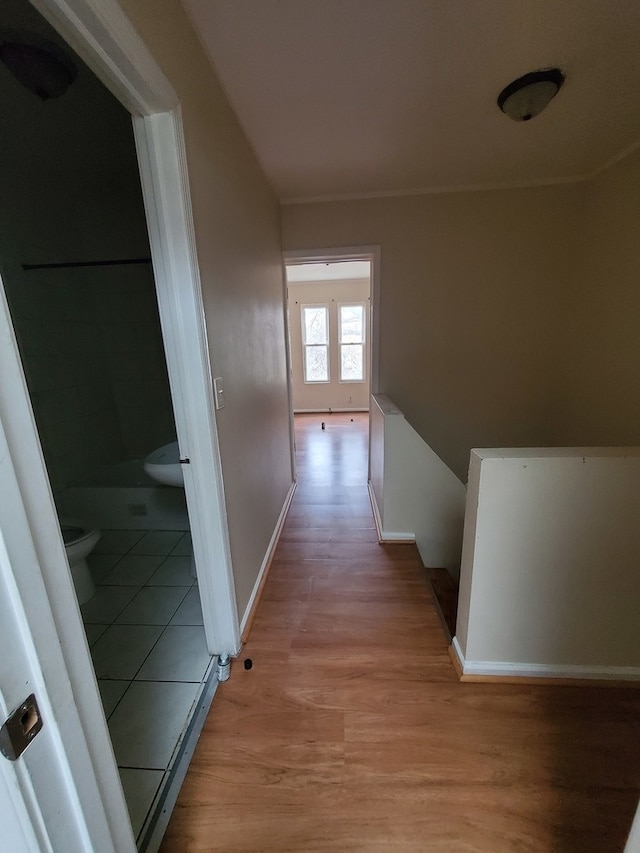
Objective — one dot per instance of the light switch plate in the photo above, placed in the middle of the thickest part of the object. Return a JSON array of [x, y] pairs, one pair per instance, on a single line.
[[218, 391]]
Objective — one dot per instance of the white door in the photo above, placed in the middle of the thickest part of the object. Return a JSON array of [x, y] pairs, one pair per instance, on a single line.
[[63, 792], [39, 807], [34, 783]]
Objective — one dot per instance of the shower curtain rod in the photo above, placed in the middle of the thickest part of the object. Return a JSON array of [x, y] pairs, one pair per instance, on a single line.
[[73, 264]]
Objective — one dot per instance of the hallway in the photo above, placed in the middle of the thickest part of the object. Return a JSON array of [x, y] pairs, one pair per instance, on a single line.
[[351, 731]]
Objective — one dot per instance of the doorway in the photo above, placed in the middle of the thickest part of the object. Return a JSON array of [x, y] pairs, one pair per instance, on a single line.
[[158, 142], [329, 314], [77, 274], [312, 276]]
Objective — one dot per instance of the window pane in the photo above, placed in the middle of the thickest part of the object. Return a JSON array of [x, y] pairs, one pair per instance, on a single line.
[[317, 364], [315, 325], [351, 324], [351, 363]]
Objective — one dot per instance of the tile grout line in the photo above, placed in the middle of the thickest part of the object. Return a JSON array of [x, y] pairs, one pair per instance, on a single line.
[[164, 625]]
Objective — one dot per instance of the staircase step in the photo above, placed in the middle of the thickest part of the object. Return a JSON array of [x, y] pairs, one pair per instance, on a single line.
[[445, 593]]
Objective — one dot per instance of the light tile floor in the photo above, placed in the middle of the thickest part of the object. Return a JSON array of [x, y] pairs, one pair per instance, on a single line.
[[144, 627]]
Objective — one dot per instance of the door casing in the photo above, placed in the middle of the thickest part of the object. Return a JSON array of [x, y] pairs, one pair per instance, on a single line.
[[348, 253]]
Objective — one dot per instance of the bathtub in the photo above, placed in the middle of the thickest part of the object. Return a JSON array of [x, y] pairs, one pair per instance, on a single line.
[[124, 497]]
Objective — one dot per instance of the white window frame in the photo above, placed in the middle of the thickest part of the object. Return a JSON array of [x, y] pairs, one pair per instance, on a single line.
[[353, 304], [327, 345]]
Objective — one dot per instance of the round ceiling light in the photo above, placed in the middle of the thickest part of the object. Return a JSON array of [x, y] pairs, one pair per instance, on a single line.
[[40, 66], [527, 96]]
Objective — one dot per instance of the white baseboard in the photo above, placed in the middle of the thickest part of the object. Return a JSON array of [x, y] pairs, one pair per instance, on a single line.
[[376, 511], [386, 535], [253, 600], [392, 536], [508, 669]]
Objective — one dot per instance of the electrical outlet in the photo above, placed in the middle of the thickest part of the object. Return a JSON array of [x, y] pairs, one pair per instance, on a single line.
[[218, 392]]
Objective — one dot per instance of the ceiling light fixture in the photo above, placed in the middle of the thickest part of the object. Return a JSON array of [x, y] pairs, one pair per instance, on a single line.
[[527, 96], [41, 66]]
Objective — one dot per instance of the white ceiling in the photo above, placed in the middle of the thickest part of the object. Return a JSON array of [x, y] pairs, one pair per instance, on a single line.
[[334, 271], [350, 97]]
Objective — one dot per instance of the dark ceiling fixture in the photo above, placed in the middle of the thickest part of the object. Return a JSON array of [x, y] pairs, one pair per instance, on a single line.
[[527, 96], [39, 65]]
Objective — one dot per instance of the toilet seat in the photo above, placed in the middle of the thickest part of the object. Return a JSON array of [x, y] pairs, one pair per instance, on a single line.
[[74, 531]]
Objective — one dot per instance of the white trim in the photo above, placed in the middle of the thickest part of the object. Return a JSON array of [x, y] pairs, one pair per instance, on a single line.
[[389, 536], [467, 188], [303, 330], [103, 36], [455, 645], [163, 169], [442, 190], [287, 353], [352, 253], [386, 536], [542, 670], [377, 518], [364, 343], [273, 542]]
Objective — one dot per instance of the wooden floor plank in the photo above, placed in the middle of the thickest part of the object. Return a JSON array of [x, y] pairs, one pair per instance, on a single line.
[[352, 732]]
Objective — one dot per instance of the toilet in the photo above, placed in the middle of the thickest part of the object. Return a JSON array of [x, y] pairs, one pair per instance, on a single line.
[[79, 541]]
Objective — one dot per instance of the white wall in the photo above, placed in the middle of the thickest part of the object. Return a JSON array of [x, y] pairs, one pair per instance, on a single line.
[[417, 496], [549, 580], [335, 395], [237, 229]]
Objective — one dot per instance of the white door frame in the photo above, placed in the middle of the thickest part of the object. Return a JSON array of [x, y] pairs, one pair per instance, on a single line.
[[160, 146], [351, 253]]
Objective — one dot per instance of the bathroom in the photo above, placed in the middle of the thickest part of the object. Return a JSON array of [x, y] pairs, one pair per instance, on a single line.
[[75, 266]]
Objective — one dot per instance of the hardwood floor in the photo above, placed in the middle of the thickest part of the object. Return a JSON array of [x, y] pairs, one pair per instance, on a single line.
[[351, 731]]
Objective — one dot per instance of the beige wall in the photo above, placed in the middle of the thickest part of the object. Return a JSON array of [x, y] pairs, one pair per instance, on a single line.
[[333, 394], [237, 227], [600, 401], [549, 583], [474, 294]]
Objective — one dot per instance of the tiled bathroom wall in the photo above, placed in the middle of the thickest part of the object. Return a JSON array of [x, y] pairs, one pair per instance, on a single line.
[[89, 336], [94, 361], [66, 369], [127, 312]]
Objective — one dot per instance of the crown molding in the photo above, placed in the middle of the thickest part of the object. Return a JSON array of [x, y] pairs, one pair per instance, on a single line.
[[466, 188]]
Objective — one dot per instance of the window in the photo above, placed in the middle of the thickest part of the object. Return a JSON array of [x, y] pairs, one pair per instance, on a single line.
[[315, 342], [351, 336]]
